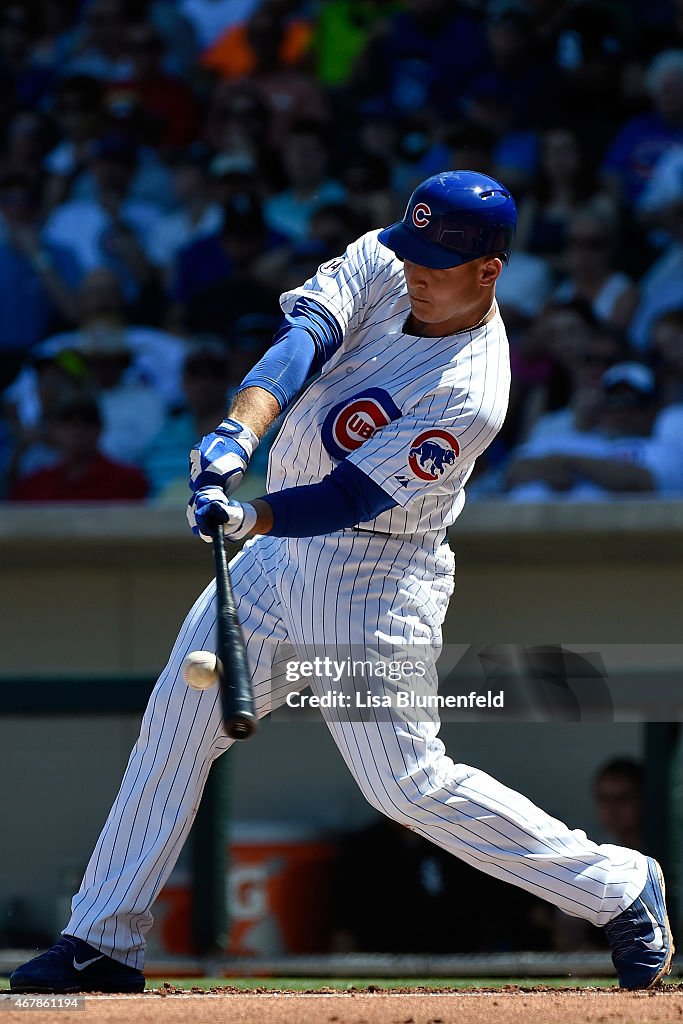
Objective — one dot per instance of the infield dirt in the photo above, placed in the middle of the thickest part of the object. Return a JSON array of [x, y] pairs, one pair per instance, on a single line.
[[471, 1007]]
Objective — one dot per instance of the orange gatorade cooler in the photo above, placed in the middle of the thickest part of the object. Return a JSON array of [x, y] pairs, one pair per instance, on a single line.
[[278, 890], [278, 893], [172, 931]]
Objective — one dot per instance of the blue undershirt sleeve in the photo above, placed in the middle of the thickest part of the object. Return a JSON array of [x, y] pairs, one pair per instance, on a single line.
[[305, 340], [343, 498]]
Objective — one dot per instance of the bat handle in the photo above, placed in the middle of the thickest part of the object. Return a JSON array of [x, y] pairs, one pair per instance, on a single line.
[[239, 717]]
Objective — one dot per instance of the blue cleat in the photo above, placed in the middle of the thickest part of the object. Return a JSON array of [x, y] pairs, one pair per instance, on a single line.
[[640, 937], [71, 965]]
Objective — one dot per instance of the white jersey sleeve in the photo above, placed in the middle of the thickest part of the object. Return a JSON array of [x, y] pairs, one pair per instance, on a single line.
[[347, 285]]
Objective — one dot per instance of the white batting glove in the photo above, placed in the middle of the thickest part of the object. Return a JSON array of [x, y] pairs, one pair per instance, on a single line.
[[221, 458], [210, 507]]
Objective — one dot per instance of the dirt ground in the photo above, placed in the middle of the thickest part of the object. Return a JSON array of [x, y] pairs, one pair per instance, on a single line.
[[588, 1006]]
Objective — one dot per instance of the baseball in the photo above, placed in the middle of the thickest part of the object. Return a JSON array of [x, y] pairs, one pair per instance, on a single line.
[[200, 670]]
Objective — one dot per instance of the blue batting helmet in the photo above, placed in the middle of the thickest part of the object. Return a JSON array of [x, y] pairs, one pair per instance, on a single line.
[[452, 218]]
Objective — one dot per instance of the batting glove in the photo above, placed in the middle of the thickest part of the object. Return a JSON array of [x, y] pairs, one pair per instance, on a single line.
[[220, 459], [210, 507]]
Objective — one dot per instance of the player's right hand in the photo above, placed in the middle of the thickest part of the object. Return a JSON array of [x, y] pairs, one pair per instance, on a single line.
[[221, 458], [210, 507]]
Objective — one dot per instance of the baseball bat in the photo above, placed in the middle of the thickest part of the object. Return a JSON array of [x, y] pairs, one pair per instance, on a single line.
[[237, 697]]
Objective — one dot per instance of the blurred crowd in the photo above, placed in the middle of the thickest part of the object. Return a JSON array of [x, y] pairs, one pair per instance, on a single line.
[[169, 167]]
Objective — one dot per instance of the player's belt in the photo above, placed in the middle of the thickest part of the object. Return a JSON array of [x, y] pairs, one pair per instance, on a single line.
[[402, 537], [374, 533]]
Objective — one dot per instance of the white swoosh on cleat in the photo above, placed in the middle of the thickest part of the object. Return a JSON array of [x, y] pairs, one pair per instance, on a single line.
[[656, 943], [87, 963]]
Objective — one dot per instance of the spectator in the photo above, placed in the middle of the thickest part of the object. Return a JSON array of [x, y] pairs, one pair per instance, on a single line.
[[519, 89], [367, 180], [664, 189], [154, 360], [27, 139], [565, 183], [305, 157], [599, 349], [205, 381], [56, 24], [238, 122], [419, 151], [268, 47], [233, 174], [618, 795], [374, 130], [661, 286], [82, 473], [111, 229], [157, 356], [289, 93], [216, 278], [522, 290], [545, 359], [99, 48], [56, 376], [564, 411], [471, 147], [38, 276], [168, 106], [667, 355], [632, 155], [175, 29], [592, 252], [126, 132], [195, 215], [132, 410], [589, 49], [625, 457], [423, 59], [76, 110], [29, 82]]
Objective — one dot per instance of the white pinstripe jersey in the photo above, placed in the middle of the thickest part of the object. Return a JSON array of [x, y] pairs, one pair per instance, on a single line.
[[412, 413]]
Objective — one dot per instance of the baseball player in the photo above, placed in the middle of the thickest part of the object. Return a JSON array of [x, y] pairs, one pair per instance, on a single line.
[[392, 364]]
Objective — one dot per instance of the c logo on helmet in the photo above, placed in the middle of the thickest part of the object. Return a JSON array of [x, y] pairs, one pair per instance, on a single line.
[[350, 423], [431, 453], [421, 215]]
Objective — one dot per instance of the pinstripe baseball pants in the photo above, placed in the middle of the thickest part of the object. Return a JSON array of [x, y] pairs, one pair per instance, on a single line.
[[340, 591]]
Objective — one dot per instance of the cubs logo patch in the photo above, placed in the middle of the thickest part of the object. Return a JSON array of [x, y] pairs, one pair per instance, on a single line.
[[330, 268], [421, 215], [350, 423], [431, 453]]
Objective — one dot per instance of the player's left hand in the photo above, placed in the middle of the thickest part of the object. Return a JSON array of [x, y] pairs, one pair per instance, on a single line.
[[210, 507], [221, 458]]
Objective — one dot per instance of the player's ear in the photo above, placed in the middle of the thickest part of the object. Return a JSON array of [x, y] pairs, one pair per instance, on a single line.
[[491, 267]]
